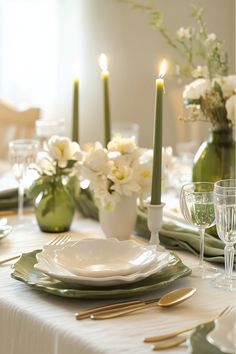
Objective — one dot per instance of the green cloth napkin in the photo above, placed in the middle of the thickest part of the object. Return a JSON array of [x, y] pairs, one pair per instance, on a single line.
[[9, 199], [172, 236]]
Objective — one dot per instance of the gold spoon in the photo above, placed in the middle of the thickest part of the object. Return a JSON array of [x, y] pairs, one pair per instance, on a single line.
[[170, 299]]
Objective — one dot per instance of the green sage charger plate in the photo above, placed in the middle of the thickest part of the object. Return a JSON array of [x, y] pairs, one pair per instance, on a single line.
[[198, 342], [24, 271]]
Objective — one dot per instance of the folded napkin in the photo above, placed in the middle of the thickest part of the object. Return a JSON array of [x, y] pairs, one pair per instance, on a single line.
[[9, 199], [172, 235]]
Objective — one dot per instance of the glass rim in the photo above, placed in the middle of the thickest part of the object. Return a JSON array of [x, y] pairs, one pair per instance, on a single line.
[[195, 184], [217, 184], [21, 142]]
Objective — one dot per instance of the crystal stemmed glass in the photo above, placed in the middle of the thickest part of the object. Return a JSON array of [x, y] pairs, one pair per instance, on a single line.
[[22, 153], [196, 203], [225, 211]]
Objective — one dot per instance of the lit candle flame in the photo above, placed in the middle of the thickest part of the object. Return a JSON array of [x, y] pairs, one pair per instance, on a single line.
[[103, 62], [163, 69]]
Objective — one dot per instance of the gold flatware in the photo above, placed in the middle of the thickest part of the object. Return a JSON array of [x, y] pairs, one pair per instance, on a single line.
[[170, 299], [163, 337], [225, 312], [58, 240], [168, 335], [115, 306], [167, 344]]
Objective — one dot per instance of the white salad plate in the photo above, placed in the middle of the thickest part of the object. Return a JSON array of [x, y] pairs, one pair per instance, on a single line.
[[223, 335], [104, 257], [47, 265]]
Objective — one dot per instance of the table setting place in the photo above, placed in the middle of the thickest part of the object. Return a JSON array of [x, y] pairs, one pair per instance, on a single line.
[[110, 247]]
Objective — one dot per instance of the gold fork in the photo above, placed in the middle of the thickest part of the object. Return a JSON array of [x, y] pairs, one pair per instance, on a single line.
[[170, 344], [58, 240]]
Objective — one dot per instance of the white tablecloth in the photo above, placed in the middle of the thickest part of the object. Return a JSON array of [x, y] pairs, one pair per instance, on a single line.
[[33, 322]]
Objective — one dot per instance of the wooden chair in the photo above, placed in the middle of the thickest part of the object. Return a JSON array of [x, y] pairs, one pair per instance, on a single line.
[[15, 125]]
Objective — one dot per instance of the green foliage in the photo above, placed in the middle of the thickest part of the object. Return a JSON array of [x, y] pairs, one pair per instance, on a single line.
[[194, 45]]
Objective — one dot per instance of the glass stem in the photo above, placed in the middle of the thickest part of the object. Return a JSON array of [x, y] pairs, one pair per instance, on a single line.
[[229, 257], [21, 190], [201, 233]]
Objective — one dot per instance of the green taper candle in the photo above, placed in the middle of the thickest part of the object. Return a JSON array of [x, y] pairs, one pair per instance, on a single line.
[[75, 121], [106, 102], [157, 139]]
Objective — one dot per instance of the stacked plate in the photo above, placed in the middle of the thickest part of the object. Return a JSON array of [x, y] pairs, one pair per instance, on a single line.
[[101, 262]]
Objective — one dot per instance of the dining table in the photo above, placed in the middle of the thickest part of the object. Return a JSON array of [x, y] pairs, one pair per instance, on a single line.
[[33, 321]]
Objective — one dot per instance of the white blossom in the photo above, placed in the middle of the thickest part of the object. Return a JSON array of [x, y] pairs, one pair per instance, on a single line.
[[231, 108], [184, 33], [211, 38], [227, 84], [45, 165], [196, 89], [62, 149], [200, 72], [124, 146]]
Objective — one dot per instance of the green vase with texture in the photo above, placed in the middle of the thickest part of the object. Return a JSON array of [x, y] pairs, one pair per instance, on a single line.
[[54, 206], [216, 157]]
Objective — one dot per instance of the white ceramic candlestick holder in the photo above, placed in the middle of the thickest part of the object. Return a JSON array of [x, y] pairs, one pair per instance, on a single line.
[[155, 217]]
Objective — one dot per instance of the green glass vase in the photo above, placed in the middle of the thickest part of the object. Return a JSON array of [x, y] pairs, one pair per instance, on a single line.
[[216, 157], [54, 207]]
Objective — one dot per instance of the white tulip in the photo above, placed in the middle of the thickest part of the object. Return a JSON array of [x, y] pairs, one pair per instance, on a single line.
[[231, 108]]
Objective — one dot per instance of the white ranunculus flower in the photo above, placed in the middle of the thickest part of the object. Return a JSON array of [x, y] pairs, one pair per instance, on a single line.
[[231, 108], [227, 84], [123, 145], [196, 89], [184, 33], [124, 181], [211, 38], [200, 71], [97, 160], [63, 149]]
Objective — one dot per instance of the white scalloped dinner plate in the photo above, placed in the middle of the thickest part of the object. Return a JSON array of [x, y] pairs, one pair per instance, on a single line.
[[47, 265], [104, 257]]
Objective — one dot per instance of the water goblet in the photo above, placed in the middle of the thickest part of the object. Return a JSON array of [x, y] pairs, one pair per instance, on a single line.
[[196, 203], [225, 211], [22, 153], [45, 128]]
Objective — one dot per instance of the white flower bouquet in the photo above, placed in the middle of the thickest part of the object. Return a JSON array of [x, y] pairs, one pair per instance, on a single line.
[[211, 96], [61, 158], [123, 169]]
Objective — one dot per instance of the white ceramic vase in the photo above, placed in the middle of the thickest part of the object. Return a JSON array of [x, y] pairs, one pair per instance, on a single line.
[[120, 222]]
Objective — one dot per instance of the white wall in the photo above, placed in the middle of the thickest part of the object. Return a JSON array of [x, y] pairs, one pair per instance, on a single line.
[[41, 40], [134, 50]]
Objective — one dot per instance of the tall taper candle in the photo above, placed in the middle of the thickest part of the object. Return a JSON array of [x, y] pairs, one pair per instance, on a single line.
[[75, 121], [157, 140], [106, 102]]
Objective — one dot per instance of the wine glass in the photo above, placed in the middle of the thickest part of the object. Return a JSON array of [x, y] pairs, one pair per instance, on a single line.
[[22, 153], [196, 203], [45, 128], [225, 211]]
